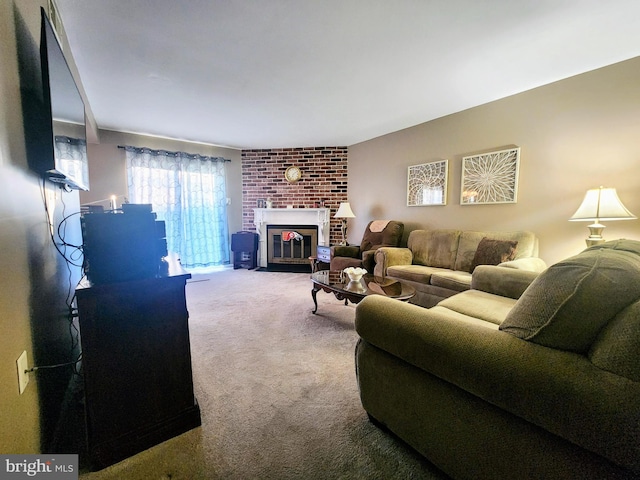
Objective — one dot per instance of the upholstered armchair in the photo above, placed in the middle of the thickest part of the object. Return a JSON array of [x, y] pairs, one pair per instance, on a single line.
[[379, 233]]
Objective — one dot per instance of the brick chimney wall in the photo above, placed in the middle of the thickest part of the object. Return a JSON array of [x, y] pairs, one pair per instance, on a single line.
[[324, 179]]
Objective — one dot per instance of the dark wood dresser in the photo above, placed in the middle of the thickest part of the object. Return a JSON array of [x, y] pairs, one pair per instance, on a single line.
[[136, 362]]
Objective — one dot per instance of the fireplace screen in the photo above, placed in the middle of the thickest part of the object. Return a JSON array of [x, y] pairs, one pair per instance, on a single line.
[[290, 246]]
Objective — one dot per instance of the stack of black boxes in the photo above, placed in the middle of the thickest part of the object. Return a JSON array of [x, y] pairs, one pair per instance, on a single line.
[[123, 245]]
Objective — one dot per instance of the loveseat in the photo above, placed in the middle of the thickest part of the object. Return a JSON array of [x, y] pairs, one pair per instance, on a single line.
[[439, 263], [522, 376]]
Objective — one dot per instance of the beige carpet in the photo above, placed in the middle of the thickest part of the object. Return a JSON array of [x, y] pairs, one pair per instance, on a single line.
[[277, 391]]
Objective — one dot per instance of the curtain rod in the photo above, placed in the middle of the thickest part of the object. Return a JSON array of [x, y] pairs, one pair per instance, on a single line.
[[177, 154]]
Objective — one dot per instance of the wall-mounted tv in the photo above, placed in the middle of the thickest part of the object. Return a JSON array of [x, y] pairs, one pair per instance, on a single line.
[[66, 135]]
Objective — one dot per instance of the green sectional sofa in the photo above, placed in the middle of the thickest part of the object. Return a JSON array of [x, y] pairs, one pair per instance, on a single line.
[[525, 375], [439, 263]]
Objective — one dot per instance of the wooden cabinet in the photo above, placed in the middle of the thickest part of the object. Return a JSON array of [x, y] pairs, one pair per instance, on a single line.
[[136, 362]]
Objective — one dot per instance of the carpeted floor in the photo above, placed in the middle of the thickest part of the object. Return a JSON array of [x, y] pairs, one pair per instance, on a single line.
[[277, 391]]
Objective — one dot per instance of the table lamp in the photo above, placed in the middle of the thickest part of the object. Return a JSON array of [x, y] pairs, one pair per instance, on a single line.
[[344, 212], [600, 204]]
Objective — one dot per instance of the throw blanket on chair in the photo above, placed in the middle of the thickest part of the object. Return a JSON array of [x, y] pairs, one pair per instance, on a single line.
[[378, 225]]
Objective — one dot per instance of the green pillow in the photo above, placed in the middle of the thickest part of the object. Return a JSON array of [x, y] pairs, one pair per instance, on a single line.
[[568, 304]]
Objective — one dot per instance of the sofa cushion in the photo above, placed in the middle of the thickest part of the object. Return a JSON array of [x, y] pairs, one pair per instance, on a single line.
[[414, 273], [570, 302], [492, 252], [469, 241], [531, 264], [498, 280], [445, 312], [435, 248], [482, 305], [452, 279]]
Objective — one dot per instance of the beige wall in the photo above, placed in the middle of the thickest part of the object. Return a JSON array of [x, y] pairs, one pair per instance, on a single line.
[[34, 280], [575, 134], [108, 175], [19, 206]]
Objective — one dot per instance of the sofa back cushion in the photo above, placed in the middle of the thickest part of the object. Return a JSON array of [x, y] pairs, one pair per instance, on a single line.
[[617, 348], [434, 248], [469, 241], [568, 304]]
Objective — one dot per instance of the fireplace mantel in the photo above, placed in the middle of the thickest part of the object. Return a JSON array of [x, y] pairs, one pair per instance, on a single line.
[[289, 216]]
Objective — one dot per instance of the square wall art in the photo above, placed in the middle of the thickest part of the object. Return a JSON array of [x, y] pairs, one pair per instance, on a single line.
[[490, 178], [427, 184]]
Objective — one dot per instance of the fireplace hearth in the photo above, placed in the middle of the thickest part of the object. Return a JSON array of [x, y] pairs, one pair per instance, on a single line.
[[290, 246]]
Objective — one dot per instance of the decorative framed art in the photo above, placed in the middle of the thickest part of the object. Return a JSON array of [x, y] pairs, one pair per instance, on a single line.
[[427, 184], [490, 178]]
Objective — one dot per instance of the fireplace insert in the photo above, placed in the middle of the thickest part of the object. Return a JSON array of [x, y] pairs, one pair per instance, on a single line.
[[290, 246]]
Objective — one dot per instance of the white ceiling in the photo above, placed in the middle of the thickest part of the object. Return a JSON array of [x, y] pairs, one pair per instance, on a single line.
[[300, 73]]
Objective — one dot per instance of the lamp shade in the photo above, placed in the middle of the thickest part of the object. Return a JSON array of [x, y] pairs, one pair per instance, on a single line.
[[601, 204], [344, 211]]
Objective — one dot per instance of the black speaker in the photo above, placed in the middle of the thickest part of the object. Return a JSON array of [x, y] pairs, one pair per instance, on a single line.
[[120, 247]]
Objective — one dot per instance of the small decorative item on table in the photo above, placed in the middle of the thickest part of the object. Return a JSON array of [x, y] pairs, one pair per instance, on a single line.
[[354, 273]]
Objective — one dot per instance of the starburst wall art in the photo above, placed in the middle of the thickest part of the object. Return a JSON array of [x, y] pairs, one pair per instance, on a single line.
[[490, 178], [427, 184]]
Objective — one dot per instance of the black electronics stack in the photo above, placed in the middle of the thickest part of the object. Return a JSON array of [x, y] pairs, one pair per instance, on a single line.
[[124, 245]]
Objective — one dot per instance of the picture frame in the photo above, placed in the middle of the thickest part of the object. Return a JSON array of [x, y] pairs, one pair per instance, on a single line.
[[427, 184], [490, 178]]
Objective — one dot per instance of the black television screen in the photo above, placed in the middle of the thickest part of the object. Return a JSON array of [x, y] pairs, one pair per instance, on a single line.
[[67, 138]]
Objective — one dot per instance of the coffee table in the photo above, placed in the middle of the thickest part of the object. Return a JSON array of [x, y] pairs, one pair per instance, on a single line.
[[337, 282]]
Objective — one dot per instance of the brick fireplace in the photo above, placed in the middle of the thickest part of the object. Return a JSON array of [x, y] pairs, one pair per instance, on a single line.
[[323, 182]]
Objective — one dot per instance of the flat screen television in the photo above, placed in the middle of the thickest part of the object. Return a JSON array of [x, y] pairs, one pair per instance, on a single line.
[[65, 130]]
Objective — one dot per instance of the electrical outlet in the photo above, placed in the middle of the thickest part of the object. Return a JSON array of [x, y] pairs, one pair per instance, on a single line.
[[23, 375]]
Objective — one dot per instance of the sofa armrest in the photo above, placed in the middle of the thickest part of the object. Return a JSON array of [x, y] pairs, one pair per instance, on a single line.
[[389, 256], [559, 391], [351, 251], [533, 264], [503, 281]]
